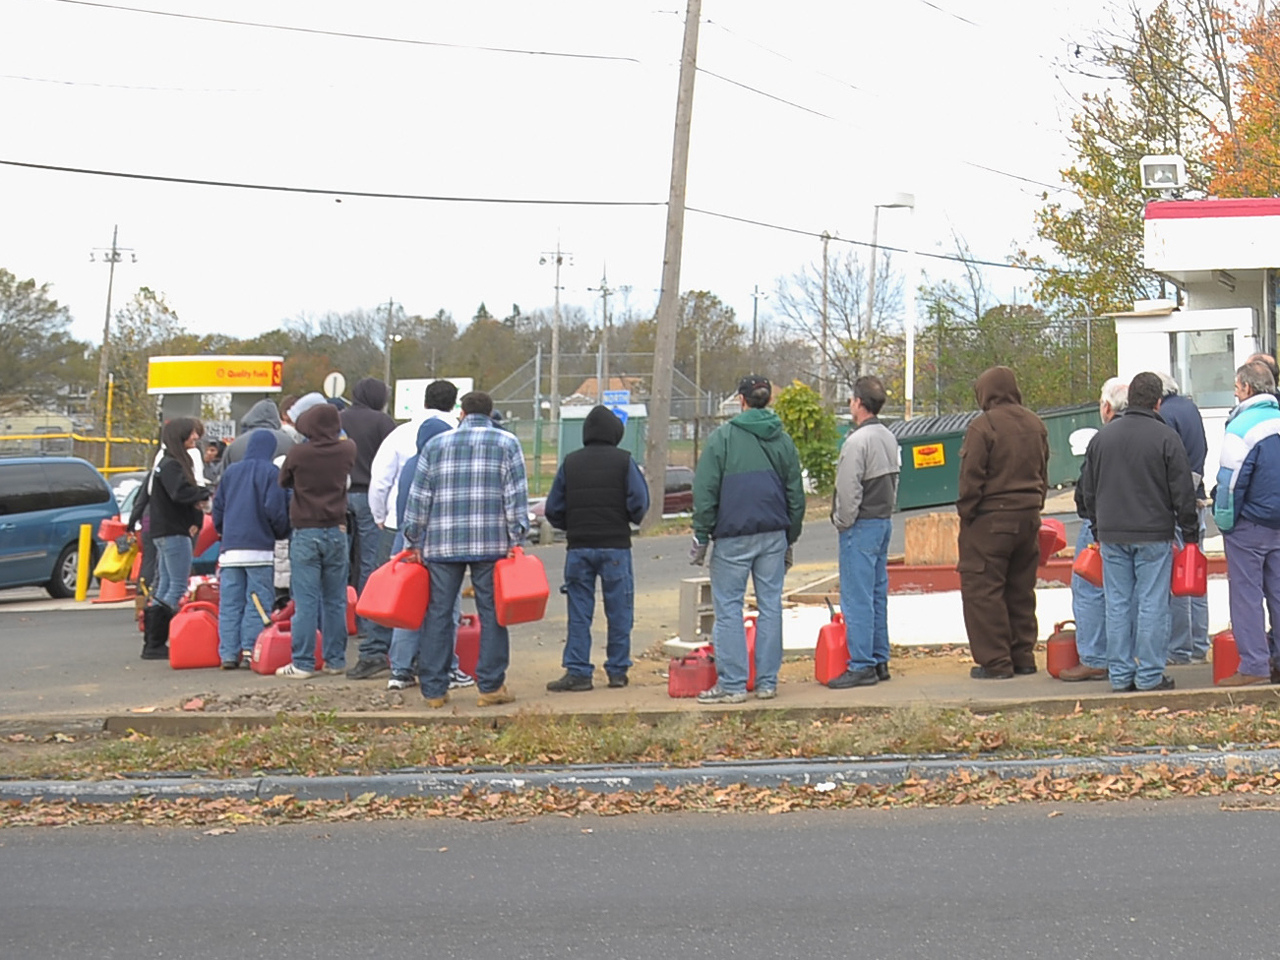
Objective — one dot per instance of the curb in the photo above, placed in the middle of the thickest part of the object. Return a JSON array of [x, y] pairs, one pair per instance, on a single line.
[[826, 774], [178, 723]]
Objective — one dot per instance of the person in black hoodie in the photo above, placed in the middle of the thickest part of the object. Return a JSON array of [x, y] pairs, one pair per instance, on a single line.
[[597, 494], [176, 511], [368, 424], [317, 472]]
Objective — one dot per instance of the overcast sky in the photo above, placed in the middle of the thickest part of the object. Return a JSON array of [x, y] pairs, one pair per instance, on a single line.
[[904, 95]]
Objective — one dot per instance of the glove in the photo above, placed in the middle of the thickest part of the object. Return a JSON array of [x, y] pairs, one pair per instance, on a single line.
[[789, 558], [698, 553]]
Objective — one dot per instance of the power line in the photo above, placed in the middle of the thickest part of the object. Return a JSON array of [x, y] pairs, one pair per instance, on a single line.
[[782, 56], [948, 13], [770, 96], [864, 243], [371, 194], [118, 86], [315, 31]]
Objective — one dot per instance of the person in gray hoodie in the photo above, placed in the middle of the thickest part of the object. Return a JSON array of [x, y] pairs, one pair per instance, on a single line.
[[263, 415], [862, 510]]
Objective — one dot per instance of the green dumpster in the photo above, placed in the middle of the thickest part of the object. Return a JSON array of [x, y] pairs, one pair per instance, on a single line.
[[930, 447]]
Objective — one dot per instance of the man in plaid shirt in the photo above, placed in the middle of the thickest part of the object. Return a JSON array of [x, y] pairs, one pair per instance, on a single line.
[[469, 505]]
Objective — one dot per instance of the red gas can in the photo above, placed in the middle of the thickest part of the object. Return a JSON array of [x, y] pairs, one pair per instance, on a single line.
[[205, 590], [1060, 650], [689, 675], [1226, 659], [1088, 565], [193, 637], [207, 536], [274, 648], [396, 594], [1190, 572], [467, 643], [1053, 537], [520, 588], [352, 629], [749, 624], [831, 655]]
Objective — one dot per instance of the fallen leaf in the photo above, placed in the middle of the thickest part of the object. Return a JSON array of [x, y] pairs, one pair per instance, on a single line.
[[219, 831], [587, 830], [143, 709], [1055, 813], [443, 850], [195, 703]]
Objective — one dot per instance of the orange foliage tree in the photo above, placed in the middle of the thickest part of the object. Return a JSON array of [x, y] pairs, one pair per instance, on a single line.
[[1246, 161]]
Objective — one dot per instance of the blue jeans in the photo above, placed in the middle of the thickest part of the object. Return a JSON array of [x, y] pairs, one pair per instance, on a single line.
[[173, 569], [239, 622], [864, 591], [1189, 618], [1137, 590], [613, 566], [405, 643], [1253, 560], [733, 559], [318, 558], [375, 550], [1089, 608], [439, 629]]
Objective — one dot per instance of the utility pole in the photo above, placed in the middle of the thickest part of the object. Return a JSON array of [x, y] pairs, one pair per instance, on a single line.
[[387, 341], [822, 375], [112, 257], [756, 297], [664, 349], [558, 258], [604, 290]]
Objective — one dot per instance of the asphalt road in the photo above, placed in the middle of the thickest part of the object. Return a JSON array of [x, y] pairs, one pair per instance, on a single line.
[[1175, 879]]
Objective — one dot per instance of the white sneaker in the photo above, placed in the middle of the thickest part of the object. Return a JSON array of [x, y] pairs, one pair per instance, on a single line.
[[293, 673], [718, 694], [401, 681], [459, 679]]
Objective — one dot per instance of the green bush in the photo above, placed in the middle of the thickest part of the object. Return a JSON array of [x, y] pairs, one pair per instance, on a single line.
[[813, 428]]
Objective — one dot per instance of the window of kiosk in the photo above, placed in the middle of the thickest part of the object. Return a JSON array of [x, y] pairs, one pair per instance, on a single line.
[[1204, 364]]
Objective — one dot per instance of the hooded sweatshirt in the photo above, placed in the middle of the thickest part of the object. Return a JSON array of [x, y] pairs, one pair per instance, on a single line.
[[748, 480], [317, 471], [598, 491], [368, 425], [1004, 459], [250, 510], [263, 415], [427, 430]]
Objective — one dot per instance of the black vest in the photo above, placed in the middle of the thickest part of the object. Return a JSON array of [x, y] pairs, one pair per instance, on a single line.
[[595, 493]]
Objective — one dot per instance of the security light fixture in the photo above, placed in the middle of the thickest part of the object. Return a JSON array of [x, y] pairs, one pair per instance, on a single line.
[[1164, 172]]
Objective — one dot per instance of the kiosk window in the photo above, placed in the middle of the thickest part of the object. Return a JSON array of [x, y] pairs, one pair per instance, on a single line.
[[1204, 364]]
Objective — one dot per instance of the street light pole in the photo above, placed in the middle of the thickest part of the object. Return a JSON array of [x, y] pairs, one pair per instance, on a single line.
[[896, 202], [386, 341], [112, 257], [822, 375], [604, 290], [558, 258], [756, 297]]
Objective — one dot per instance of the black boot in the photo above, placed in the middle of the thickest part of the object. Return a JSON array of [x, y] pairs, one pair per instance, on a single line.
[[155, 634]]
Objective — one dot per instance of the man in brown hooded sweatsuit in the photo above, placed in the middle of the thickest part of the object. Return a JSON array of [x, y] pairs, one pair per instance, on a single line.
[[1004, 473]]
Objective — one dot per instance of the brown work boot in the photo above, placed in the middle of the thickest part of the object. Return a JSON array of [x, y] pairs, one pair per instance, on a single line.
[[1082, 672], [435, 703], [1239, 679], [495, 697]]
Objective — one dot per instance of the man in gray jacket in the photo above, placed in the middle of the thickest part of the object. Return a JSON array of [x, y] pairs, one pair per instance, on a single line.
[[862, 508]]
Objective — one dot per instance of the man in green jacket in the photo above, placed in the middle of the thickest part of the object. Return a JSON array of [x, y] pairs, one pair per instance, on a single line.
[[748, 496]]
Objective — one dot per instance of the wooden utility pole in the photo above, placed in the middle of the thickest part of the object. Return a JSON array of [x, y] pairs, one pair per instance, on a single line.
[[664, 348], [112, 256], [822, 376]]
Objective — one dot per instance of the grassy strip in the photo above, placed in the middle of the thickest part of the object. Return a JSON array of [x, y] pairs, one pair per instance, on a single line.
[[320, 744], [1152, 781]]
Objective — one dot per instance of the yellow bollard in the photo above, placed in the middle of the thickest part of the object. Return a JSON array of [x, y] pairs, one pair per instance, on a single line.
[[84, 558]]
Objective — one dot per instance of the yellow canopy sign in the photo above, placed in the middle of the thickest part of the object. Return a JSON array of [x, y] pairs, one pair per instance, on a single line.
[[214, 374]]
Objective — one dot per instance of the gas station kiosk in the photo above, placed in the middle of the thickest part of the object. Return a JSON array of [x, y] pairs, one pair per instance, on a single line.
[[181, 382], [1223, 257]]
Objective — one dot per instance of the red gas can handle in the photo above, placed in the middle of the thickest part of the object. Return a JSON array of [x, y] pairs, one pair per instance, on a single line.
[[199, 605]]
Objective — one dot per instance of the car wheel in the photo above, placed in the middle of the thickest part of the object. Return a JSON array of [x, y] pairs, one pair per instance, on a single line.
[[63, 584]]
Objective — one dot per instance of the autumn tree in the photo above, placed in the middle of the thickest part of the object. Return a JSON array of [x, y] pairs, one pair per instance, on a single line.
[[1168, 80], [1245, 157], [146, 327], [38, 356]]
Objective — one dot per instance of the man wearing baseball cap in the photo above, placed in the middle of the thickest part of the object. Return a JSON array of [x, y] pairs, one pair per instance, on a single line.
[[748, 496]]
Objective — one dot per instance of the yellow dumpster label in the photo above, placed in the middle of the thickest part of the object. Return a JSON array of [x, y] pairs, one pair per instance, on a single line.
[[214, 374], [928, 455]]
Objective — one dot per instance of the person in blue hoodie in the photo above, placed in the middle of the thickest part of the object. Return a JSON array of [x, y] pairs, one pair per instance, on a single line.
[[250, 513], [404, 643]]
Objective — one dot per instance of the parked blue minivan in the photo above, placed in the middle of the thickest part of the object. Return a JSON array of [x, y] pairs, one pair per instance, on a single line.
[[43, 502]]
